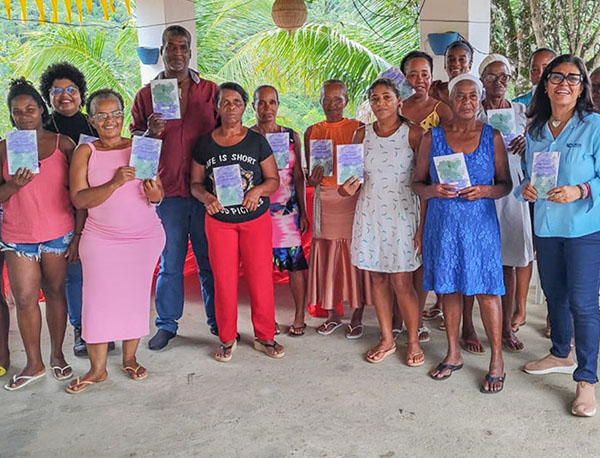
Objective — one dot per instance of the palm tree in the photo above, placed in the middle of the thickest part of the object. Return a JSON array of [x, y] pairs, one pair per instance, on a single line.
[[104, 63]]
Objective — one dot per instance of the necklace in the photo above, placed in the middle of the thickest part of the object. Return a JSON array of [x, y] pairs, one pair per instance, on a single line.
[[556, 123]]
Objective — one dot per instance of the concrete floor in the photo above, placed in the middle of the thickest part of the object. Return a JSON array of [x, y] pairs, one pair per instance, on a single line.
[[322, 400]]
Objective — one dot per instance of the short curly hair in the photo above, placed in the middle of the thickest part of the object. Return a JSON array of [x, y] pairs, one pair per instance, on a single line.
[[62, 70], [99, 95]]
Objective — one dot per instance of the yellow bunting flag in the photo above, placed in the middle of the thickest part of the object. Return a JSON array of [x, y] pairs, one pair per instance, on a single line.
[[111, 5], [88, 3], [127, 5], [68, 6], [7, 8], [104, 8], [54, 10], [23, 4], [40, 5]]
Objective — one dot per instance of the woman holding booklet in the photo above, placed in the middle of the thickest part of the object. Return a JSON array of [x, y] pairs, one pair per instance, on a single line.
[[287, 204], [563, 179], [332, 280], [461, 168], [121, 241], [37, 228], [233, 174], [387, 229], [515, 221]]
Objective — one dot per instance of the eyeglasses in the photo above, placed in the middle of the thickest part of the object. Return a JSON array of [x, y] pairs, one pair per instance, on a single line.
[[491, 78], [104, 116], [56, 91], [573, 79]]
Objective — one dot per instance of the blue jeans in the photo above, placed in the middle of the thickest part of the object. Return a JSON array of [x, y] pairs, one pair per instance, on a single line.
[[73, 286], [570, 275], [183, 219]]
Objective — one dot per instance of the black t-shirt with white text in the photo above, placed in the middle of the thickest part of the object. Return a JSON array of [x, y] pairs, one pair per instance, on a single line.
[[248, 153]]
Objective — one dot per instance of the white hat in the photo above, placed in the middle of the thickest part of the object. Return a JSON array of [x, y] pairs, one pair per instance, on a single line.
[[466, 77], [490, 60]]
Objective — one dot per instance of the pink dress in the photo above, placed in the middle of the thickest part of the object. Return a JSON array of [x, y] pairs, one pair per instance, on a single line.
[[121, 242]]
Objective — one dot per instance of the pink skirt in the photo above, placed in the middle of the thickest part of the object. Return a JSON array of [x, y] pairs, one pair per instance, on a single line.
[[117, 284], [332, 279]]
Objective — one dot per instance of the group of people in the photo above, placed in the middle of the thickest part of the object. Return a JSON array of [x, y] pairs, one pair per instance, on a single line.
[[385, 240]]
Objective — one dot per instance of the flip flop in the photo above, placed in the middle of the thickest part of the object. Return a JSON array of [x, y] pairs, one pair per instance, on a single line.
[[294, 331], [262, 347], [397, 332], [442, 367], [62, 370], [411, 357], [85, 384], [134, 371], [328, 327], [516, 325], [424, 330], [491, 380], [442, 324], [277, 329], [29, 379], [224, 358], [474, 343], [351, 329], [385, 353], [2, 371], [511, 344]]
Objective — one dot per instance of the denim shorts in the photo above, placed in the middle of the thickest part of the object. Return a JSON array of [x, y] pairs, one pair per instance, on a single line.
[[35, 250]]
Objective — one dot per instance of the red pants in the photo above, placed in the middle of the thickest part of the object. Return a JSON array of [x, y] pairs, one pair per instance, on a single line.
[[250, 242]]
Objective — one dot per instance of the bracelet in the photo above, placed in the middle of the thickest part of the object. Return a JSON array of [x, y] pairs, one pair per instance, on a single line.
[[585, 190], [156, 204]]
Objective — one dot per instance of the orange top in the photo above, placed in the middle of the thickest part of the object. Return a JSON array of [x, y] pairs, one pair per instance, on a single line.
[[341, 133]]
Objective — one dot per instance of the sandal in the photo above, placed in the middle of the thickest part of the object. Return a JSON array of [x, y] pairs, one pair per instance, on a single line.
[[424, 334], [513, 344], [384, 353], [82, 385], [29, 379], [62, 370], [277, 329], [135, 371], [432, 313], [328, 327], [350, 333], [442, 324], [466, 343], [397, 332], [224, 357], [442, 367], [491, 380], [410, 359], [294, 331], [263, 347]]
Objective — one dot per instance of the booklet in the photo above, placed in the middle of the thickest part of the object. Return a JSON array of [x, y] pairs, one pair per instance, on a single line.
[[280, 144], [165, 98], [503, 119], [228, 185], [452, 169], [145, 153], [544, 172], [321, 153], [406, 90], [22, 151], [350, 162], [83, 138]]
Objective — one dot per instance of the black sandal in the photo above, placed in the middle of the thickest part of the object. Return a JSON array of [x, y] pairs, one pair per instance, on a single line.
[[262, 347], [442, 367], [491, 380], [224, 349]]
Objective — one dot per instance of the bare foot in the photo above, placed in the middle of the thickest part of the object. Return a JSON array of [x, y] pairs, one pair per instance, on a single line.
[[135, 370], [81, 383], [28, 371], [381, 351]]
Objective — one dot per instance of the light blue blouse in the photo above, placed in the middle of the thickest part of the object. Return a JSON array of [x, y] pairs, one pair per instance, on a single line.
[[579, 146]]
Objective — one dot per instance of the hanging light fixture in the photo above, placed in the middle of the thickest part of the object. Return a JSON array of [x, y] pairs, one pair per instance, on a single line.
[[289, 14]]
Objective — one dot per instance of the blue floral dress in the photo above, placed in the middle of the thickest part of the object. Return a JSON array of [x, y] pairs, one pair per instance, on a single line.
[[461, 238]]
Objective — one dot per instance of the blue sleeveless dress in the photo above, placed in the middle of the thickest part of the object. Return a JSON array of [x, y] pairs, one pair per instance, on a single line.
[[461, 238]]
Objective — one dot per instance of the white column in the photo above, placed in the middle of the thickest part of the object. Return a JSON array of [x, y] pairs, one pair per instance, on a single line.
[[470, 18], [152, 15]]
